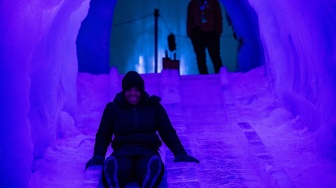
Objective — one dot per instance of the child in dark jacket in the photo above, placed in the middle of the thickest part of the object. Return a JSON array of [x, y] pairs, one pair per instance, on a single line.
[[133, 119]]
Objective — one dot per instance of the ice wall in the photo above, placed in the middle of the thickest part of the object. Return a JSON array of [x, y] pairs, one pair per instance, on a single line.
[[38, 81], [53, 74], [93, 41], [299, 43], [246, 28], [15, 139]]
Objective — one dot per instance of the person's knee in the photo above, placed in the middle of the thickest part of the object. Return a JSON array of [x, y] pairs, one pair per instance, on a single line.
[[110, 168], [154, 172], [121, 173]]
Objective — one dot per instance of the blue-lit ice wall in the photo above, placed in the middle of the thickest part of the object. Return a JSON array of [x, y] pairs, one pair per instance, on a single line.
[[299, 45], [246, 27], [53, 75], [38, 81], [15, 133]]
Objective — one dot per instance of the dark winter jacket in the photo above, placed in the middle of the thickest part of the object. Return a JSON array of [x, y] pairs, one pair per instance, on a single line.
[[212, 13], [134, 128]]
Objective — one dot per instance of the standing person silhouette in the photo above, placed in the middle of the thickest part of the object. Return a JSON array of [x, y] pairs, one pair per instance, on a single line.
[[204, 27], [133, 120]]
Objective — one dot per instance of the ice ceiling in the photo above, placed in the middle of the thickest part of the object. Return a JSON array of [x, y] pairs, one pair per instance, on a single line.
[[39, 66]]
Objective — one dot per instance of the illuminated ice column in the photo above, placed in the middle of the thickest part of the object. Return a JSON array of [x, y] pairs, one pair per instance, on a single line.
[[53, 75], [93, 40], [245, 26]]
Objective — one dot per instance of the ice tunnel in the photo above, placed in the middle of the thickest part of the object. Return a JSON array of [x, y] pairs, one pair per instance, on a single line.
[[39, 64]]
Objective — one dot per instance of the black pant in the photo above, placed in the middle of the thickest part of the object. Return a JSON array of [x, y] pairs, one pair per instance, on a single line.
[[202, 40], [133, 168]]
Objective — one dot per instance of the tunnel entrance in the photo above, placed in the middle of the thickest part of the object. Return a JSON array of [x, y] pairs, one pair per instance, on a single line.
[[139, 27], [119, 34]]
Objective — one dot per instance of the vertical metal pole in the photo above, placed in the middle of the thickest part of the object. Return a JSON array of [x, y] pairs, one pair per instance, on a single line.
[[156, 16]]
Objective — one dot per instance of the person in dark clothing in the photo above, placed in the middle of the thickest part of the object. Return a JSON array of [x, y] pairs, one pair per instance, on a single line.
[[133, 119], [204, 27]]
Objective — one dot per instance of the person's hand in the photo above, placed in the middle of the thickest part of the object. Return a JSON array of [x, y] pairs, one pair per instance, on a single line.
[[185, 158], [95, 161]]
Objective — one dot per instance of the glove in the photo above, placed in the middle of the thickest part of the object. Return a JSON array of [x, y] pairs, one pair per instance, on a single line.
[[95, 161], [185, 158]]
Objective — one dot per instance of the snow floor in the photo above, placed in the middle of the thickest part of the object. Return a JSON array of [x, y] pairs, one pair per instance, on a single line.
[[293, 149]]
